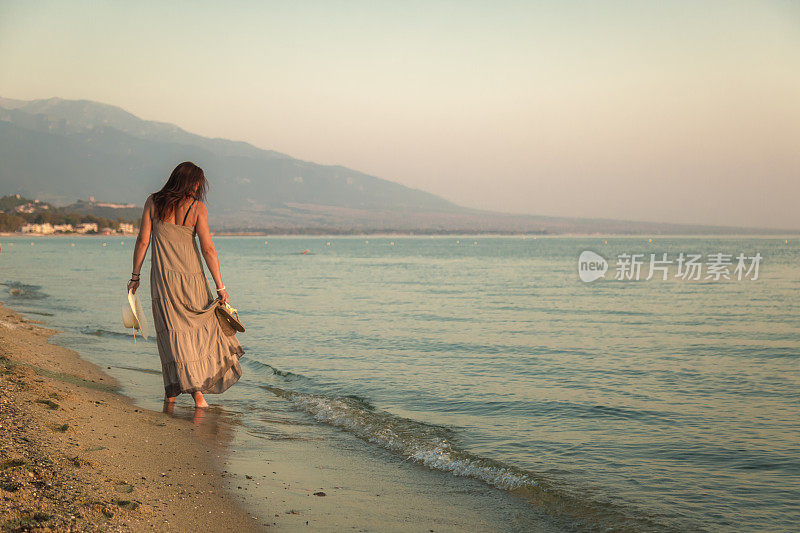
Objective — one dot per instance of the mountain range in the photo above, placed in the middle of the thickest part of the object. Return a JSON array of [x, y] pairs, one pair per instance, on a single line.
[[61, 151]]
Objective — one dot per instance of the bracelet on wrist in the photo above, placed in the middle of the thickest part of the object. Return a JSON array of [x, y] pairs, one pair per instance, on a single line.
[[221, 288]]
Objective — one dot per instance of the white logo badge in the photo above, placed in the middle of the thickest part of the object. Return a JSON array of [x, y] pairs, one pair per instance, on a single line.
[[591, 266]]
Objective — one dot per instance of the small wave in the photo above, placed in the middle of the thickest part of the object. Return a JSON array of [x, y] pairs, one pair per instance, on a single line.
[[264, 367], [115, 334], [428, 444], [436, 447], [24, 291]]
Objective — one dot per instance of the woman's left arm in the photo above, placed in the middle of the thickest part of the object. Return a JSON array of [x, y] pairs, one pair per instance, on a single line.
[[142, 243]]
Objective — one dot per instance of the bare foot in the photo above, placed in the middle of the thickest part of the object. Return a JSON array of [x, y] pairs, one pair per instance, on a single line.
[[199, 401]]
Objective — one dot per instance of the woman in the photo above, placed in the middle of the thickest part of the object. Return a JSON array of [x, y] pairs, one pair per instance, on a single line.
[[196, 355]]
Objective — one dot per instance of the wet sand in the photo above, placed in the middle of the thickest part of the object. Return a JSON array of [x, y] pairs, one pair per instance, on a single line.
[[77, 456]]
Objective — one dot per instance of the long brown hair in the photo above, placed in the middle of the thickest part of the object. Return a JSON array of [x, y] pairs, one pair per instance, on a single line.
[[186, 181]]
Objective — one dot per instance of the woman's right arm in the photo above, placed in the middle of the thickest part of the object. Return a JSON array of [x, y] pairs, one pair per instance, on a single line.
[[209, 250], [142, 242]]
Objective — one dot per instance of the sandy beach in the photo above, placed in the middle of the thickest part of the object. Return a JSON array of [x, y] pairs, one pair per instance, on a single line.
[[77, 456]]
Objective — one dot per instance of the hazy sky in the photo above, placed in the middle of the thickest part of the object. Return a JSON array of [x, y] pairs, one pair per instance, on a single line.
[[666, 111]]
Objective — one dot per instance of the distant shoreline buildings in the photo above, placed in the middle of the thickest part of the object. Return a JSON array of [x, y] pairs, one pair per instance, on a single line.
[[31, 206], [82, 229], [35, 217]]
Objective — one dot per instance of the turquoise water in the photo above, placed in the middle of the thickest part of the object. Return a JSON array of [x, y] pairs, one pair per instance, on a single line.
[[615, 404]]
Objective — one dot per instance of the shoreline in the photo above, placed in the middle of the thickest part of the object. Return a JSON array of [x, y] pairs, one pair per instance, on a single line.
[[20, 234], [532, 236], [77, 455]]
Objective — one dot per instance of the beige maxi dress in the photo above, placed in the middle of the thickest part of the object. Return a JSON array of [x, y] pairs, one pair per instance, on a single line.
[[196, 355]]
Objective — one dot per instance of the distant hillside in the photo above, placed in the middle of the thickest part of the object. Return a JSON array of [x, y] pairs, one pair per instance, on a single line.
[[98, 209], [63, 150]]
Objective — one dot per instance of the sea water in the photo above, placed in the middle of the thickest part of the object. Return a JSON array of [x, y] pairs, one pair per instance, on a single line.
[[621, 403]]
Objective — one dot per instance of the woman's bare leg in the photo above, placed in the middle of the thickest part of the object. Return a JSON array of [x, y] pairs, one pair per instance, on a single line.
[[199, 401]]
